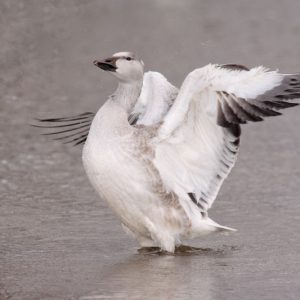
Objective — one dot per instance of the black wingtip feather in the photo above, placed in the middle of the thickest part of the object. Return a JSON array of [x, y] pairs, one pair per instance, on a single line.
[[235, 130], [67, 119], [234, 67], [77, 125], [262, 108], [193, 198], [288, 96], [61, 126], [230, 115], [243, 113], [67, 130], [280, 104]]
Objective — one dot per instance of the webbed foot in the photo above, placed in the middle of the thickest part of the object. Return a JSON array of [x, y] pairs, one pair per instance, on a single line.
[[186, 249], [149, 250]]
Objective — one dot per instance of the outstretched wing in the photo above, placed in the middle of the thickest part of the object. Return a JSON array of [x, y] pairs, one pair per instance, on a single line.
[[197, 144], [156, 98], [73, 129]]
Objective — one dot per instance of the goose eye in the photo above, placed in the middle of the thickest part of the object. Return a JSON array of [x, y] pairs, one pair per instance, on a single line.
[[128, 58]]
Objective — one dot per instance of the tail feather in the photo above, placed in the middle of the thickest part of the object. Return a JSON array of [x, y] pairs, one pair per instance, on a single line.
[[218, 227]]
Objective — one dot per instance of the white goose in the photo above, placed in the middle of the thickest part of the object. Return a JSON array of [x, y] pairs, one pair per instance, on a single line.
[[159, 155]]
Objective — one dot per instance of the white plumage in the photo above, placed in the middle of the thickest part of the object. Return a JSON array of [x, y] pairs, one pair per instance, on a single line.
[[159, 155]]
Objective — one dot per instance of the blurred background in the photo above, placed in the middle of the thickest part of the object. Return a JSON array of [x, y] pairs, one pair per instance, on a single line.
[[58, 240]]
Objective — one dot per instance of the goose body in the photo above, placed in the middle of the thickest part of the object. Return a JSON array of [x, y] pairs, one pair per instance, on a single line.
[[158, 155], [118, 159]]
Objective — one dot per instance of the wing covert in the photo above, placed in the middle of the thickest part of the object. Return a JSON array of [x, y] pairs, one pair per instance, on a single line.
[[157, 96]]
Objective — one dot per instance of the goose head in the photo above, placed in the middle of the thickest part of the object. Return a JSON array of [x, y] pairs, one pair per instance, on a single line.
[[123, 65]]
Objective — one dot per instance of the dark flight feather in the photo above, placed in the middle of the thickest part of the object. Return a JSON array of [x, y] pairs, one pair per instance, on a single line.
[[78, 126]]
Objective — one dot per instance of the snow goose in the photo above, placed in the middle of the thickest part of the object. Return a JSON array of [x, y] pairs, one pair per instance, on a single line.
[[159, 155]]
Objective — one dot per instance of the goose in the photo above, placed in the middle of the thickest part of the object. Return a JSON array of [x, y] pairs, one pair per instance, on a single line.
[[158, 155]]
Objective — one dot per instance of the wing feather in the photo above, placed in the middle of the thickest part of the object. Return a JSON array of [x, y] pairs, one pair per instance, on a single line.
[[156, 98], [78, 126], [197, 144]]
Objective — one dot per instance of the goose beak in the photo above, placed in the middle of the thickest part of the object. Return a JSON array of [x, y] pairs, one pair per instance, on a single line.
[[108, 64]]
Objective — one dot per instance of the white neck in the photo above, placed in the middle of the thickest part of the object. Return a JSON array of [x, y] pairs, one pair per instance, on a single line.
[[127, 94]]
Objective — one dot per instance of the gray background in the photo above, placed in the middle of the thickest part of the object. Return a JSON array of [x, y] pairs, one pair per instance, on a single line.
[[58, 240]]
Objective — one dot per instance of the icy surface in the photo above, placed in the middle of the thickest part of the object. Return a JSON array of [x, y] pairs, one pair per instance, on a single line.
[[58, 240]]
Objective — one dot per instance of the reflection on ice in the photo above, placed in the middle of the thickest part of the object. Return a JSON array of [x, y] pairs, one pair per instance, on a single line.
[[151, 274], [155, 277]]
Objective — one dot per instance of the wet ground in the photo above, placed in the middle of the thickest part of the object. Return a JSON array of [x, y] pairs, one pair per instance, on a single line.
[[58, 240]]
